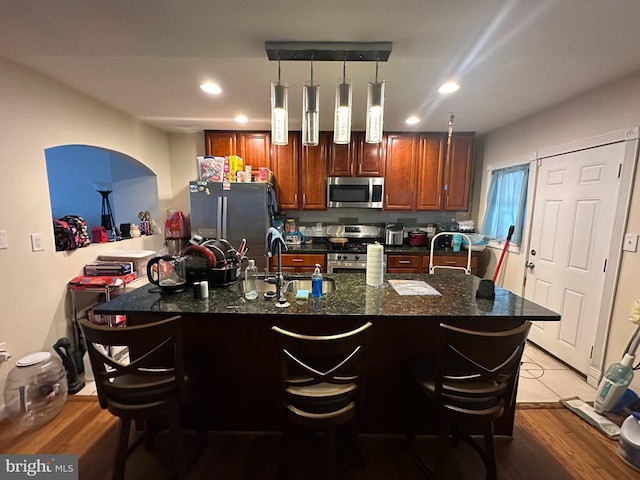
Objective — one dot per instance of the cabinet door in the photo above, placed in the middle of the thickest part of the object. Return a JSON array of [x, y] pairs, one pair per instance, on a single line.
[[313, 174], [340, 157], [285, 169], [255, 149], [357, 159], [400, 172], [370, 157], [220, 144], [457, 173], [430, 160]]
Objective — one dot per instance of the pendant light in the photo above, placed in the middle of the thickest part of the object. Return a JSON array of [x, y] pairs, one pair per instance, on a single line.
[[375, 110], [342, 120], [279, 113], [310, 112]]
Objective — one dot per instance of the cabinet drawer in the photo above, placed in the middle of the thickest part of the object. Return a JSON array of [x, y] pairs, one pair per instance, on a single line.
[[403, 261], [450, 261], [300, 260]]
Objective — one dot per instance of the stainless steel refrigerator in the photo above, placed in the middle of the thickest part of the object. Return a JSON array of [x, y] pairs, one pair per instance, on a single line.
[[233, 211]]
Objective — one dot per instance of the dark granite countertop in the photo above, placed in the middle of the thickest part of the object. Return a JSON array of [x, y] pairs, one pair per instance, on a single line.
[[321, 247], [351, 297]]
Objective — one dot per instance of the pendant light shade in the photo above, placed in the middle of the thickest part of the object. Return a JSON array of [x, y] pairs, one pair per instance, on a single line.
[[279, 112], [375, 110], [342, 120], [310, 112], [328, 52]]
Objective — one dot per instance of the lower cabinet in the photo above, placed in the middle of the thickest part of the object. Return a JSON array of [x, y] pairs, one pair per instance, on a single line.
[[459, 260], [403, 263], [299, 263]]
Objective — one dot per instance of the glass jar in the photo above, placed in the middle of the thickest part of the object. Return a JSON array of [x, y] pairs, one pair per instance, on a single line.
[[35, 390], [291, 226]]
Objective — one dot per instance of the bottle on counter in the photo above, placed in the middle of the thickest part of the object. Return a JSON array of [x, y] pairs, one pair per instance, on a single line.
[[251, 281], [316, 283], [614, 384]]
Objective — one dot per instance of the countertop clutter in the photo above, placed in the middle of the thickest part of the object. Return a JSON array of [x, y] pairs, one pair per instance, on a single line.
[[351, 297]]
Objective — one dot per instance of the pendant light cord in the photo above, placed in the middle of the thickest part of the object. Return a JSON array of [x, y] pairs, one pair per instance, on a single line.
[[278, 68], [344, 68]]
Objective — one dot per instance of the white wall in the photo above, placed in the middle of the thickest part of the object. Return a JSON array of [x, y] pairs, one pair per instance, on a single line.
[[608, 108], [37, 113]]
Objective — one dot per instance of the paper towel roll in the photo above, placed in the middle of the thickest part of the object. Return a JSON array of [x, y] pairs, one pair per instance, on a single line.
[[375, 264]]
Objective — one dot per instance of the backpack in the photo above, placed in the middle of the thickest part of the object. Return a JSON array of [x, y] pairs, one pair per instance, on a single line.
[[79, 229], [64, 238]]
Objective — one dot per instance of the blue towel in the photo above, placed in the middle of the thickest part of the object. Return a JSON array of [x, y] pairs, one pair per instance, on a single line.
[[273, 239]]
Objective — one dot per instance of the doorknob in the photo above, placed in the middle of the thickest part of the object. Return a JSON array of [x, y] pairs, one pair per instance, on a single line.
[[530, 265]]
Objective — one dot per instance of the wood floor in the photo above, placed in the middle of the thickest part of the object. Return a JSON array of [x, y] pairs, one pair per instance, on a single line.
[[549, 443]]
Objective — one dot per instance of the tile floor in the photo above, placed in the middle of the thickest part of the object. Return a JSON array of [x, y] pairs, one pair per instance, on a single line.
[[544, 379]]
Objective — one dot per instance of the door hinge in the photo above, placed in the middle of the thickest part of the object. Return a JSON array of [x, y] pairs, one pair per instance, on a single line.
[[591, 354], [604, 269], [619, 170]]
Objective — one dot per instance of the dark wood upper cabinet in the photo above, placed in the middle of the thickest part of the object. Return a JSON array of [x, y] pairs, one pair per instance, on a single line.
[[419, 176], [356, 159], [313, 174], [400, 171], [285, 161], [300, 174], [221, 144], [253, 147], [430, 163], [457, 173]]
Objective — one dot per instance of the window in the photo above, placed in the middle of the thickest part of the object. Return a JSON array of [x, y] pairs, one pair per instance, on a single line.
[[506, 202]]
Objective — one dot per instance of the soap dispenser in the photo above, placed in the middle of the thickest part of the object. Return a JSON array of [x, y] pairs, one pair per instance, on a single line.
[[316, 283]]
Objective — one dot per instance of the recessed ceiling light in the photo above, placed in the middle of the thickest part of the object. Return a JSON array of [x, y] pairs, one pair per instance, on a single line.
[[412, 120], [241, 119], [210, 88], [449, 87]]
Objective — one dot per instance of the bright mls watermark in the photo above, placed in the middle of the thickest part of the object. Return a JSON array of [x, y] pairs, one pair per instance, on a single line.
[[50, 467]]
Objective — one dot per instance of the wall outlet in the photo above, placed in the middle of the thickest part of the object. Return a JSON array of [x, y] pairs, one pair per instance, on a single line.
[[630, 242], [3, 240], [37, 242]]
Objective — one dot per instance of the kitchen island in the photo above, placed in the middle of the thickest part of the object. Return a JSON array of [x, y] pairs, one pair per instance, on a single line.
[[233, 355]]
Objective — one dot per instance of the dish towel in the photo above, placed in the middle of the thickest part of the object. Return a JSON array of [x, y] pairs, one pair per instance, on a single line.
[[273, 240]]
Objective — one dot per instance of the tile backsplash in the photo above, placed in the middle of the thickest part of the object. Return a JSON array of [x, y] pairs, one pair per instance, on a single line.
[[348, 216]]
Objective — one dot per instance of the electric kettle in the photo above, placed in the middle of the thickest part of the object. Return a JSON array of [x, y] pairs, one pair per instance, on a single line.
[[168, 272]]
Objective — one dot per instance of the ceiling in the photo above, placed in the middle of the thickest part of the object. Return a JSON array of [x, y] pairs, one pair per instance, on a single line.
[[148, 58]]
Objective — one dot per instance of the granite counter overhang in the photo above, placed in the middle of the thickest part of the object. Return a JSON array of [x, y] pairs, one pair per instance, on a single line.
[[352, 297], [228, 340]]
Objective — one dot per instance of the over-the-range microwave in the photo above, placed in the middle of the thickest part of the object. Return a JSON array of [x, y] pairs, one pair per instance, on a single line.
[[355, 192]]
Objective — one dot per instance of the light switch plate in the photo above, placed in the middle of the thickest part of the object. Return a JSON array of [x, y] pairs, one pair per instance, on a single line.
[[37, 242], [3, 240], [630, 242]]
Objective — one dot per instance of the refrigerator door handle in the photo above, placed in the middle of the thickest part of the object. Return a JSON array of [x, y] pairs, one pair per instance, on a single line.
[[224, 217], [219, 219]]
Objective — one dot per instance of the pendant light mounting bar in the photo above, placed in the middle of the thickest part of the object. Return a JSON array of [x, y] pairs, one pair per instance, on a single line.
[[329, 51]]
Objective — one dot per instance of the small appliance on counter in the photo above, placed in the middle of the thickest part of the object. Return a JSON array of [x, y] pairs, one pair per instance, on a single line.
[[418, 238], [394, 234]]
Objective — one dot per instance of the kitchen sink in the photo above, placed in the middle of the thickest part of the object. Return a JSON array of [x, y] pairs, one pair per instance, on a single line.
[[291, 285]]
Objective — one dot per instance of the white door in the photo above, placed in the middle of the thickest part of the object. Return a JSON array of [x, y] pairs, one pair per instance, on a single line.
[[572, 227]]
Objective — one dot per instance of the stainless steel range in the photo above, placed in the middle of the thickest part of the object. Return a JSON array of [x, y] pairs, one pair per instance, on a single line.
[[351, 257]]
